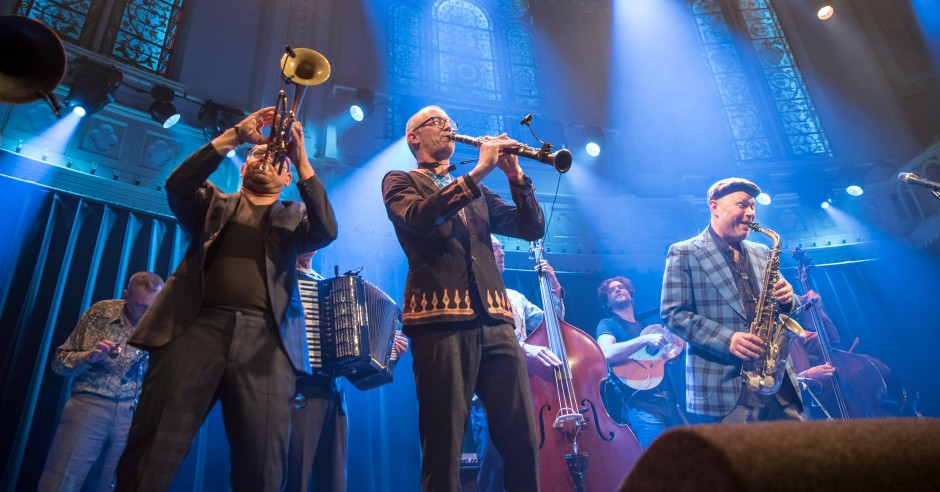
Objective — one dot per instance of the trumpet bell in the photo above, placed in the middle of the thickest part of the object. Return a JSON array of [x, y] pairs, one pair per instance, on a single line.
[[33, 60], [307, 67]]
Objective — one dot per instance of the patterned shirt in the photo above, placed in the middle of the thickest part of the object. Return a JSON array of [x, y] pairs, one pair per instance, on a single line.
[[117, 377], [527, 316]]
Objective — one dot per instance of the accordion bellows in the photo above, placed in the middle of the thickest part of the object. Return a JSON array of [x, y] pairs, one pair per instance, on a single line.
[[351, 326]]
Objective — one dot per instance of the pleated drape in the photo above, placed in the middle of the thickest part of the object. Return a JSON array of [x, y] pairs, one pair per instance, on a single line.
[[60, 253]]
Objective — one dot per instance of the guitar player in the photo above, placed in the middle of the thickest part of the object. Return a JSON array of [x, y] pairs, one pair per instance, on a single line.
[[636, 355]]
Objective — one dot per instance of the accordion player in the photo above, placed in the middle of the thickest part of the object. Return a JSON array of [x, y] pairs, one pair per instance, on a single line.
[[351, 327]]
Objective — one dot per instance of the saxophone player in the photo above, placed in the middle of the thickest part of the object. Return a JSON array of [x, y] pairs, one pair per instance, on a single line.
[[710, 293]]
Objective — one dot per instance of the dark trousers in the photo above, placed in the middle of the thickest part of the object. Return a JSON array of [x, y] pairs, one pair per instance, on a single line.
[[490, 477], [784, 405], [91, 426], [232, 356], [451, 362], [318, 436]]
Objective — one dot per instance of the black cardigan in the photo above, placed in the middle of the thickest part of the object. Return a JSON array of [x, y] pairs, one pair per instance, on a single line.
[[450, 254]]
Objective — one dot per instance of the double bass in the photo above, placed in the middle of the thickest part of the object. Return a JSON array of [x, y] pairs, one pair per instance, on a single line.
[[861, 387], [581, 448]]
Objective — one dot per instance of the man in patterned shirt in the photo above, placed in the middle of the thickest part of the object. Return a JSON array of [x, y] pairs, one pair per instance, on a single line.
[[106, 382], [527, 317]]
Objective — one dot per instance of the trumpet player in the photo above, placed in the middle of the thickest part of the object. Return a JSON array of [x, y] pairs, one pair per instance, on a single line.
[[709, 297], [228, 326], [455, 308]]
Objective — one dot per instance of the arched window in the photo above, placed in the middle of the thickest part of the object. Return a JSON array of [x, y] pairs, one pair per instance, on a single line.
[[141, 33], [475, 58], [769, 110]]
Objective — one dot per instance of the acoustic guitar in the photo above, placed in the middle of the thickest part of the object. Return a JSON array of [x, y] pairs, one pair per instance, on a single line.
[[646, 367]]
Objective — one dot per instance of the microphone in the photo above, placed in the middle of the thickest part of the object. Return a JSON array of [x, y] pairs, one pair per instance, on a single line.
[[911, 178], [526, 120], [290, 51]]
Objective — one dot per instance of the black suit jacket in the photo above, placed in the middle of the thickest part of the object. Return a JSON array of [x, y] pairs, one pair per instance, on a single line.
[[203, 211], [445, 234]]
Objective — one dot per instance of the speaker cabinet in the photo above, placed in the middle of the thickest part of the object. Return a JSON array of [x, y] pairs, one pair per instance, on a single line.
[[869, 454]]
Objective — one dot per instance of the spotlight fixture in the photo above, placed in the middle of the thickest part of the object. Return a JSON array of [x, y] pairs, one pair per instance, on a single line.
[[215, 118], [595, 139], [854, 190], [768, 189], [93, 86], [593, 149], [823, 8], [812, 186], [162, 110], [364, 106]]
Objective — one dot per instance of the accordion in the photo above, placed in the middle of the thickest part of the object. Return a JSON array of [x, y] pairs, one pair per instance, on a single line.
[[351, 327]]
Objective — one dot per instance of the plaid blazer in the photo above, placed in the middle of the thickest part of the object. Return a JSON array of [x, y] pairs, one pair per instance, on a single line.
[[700, 303]]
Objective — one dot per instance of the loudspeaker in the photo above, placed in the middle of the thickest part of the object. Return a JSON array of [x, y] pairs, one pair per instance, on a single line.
[[851, 455]]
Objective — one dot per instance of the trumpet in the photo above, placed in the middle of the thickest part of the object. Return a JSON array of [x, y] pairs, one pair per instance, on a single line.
[[301, 67], [560, 160], [36, 63]]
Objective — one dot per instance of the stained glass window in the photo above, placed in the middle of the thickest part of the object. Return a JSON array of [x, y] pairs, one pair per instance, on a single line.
[[140, 33], [461, 54], [465, 55], [769, 110]]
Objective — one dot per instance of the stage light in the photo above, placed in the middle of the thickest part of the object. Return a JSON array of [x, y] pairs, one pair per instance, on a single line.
[[162, 110], [595, 140], [215, 118], [593, 149], [364, 106], [768, 189], [92, 87], [822, 8], [824, 205], [854, 190], [813, 188]]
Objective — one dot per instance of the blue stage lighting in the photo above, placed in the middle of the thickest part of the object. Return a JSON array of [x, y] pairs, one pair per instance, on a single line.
[[763, 199], [824, 205], [854, 190], [216, 118], [80, 111], [93, 85], [162, 110], [592, 149], [356, 112], [364, 105]]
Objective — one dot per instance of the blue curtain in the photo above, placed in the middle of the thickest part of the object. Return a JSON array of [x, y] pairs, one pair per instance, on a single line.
[[61, 252]]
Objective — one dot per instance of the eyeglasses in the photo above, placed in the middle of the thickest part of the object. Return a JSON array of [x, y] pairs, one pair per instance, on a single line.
[[438, 121], [257, 153]]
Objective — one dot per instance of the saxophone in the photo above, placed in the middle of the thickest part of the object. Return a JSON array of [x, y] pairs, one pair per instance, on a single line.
[[765, 374]]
